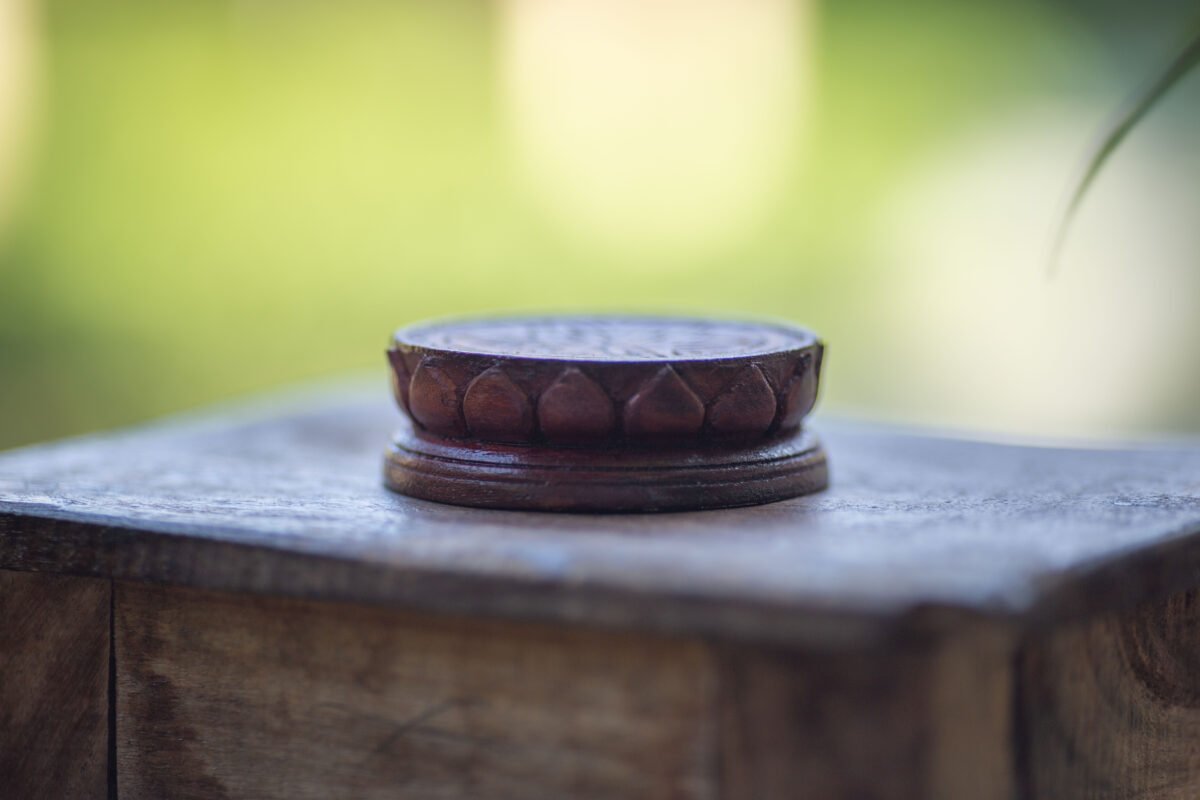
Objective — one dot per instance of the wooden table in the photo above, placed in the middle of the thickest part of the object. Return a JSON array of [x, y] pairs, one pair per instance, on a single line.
[[231, 605]]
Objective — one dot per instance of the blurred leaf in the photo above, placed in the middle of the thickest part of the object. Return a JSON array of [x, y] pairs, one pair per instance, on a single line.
[[1125, 121]]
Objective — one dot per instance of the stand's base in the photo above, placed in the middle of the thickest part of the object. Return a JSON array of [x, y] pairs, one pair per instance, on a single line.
[[578, 479]]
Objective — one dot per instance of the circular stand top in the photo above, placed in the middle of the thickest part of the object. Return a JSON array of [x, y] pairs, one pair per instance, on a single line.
[[606, 339], [605, 381]]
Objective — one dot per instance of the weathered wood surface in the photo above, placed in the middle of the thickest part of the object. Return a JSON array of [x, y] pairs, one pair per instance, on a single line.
[[227, 695], [54, 669], [1110, 708], [925, 721], [915, 534], [221, 695]]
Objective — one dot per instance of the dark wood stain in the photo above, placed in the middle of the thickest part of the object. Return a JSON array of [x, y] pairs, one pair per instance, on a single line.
[[53, 686], [1110, 707], [919, 721], [151, 697]]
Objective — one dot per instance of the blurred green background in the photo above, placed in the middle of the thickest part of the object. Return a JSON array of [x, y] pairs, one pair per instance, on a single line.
[[208, 198]]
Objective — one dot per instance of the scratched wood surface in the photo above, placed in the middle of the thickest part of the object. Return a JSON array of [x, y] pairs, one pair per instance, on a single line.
[[228, 695], [54, 670], [916, 533], [221, 695]]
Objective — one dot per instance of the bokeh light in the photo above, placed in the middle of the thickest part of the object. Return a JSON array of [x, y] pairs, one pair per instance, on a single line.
[[207, 198], [668, 126]]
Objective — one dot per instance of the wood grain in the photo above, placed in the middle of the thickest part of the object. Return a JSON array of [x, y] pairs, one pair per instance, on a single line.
[[284, 497], [223, 695], [921, 722], [54, 666], [1110, 708]]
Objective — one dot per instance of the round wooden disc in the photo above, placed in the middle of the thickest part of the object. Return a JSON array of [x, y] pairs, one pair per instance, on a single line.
[[605, 413], [552, 479]]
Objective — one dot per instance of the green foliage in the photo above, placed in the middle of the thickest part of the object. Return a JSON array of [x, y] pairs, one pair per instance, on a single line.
[[1134, 111]]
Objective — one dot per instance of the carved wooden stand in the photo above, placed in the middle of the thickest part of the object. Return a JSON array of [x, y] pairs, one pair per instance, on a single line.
[[605, 414]]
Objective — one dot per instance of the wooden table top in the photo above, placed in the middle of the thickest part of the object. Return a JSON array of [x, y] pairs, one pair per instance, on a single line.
[[918, 533]]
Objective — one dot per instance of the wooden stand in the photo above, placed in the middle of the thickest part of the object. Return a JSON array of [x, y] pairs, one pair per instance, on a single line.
[[605, 414], [233, 606], [555, 479]]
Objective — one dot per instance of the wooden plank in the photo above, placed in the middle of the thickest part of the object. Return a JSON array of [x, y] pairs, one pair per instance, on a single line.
[[1110, 708], [54, 667], [287, 499], [921, 722], [223, 695]]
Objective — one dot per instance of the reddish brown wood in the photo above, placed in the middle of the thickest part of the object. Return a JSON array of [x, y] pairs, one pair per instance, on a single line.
[[549, 479], [605, 414], [575, 409]]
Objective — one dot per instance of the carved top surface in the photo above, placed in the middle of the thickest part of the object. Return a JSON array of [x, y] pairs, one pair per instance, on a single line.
[[605, 380], [606, 338]]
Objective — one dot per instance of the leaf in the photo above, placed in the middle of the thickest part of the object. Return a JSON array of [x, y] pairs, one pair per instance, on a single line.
[[1132, 113]]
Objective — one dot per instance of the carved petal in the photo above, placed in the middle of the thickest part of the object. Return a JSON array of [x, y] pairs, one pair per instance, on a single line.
[[400, 379], [708, 381], [665, 406], [495, 408], [575, 408], [801, 393], [746, 407], [433, 399]]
